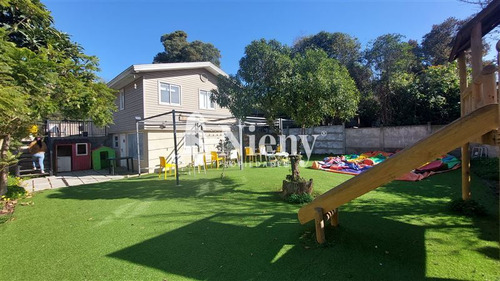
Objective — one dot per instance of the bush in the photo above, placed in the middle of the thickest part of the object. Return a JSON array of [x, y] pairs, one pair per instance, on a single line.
[[486, 168], [15, 192], [299, 198], [13, 181], [14, 189], [470, 208]]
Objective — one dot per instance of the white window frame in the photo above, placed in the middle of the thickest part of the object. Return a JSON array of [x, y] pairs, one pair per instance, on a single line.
[[207, 100], [86, 149], [116, 141], [121, 100], [169, 85]]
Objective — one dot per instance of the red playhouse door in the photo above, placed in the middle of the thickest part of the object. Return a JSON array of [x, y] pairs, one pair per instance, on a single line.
[[81, 156]]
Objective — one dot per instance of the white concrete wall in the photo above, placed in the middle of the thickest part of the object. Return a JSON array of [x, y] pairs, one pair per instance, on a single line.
[[330, 138]]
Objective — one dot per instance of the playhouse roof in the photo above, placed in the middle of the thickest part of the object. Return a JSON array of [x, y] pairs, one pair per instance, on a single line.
[[489, 18]]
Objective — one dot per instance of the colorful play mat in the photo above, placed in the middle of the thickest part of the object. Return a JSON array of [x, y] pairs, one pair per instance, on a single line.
[[355, 164]]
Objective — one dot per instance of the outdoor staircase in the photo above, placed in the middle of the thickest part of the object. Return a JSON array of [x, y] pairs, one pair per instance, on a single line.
[[24, 167]]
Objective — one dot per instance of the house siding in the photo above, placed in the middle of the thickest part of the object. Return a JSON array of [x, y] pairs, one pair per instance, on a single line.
[[190, 84], [162, 144], [134, 106]]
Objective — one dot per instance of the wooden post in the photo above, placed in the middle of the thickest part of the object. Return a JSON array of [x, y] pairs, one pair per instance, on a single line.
[[334, 220], [320, 225], [462, 70], [489, 84], [476, 41]]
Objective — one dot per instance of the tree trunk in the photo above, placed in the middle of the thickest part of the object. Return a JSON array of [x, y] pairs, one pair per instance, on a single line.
[[4, 167], [294, 184], [294, 161], [296, 187]]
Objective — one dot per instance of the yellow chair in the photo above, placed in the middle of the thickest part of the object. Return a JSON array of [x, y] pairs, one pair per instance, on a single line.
[[166, 166], [249, 154], [215, 158]]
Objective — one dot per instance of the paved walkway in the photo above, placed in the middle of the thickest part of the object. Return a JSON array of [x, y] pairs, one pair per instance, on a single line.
[[69, 179]]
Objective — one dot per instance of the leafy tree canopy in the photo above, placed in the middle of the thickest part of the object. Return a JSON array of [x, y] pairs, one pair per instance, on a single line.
[[319, 88], [340, 46], [344, 48], [439, 94], [178, 49], [306, 87], [437, 44], [259, 83], [389, 54], [389, 57], [43, 75]]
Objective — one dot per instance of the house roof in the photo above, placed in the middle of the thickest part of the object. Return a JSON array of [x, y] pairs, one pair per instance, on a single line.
[[489, 18], [134, 71]]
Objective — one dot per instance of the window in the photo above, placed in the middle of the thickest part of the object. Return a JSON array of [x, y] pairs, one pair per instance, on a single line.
[[115, 141], [81, 149], [205, 102], [170, 94], [132, 145], [122, 100]]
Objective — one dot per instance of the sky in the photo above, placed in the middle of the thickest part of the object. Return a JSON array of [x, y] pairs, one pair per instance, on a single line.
[[122, 33]]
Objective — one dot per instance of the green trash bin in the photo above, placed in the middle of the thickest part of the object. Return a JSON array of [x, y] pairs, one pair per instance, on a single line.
[[100, 157]]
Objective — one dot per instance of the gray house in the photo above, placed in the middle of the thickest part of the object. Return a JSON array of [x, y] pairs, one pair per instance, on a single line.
[[146, 90]]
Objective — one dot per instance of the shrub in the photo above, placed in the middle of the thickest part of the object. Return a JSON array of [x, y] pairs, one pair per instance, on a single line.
[[470, 208], [15, 192], [13, 181], [14, 189], [299, 198], [486, 168]]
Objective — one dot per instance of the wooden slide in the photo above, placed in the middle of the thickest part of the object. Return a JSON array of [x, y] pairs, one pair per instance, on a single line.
[[461, 131]]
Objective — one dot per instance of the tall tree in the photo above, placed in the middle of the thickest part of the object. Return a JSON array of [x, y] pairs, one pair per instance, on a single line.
[[389, 56], [306, 87], [347, 50], [320, 87], [439, 94], [343, 47], [178, 49], [259, 83], [44, 74], [437, 44], [340, 46]]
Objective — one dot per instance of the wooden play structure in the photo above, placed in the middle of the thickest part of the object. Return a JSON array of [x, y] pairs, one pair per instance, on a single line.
[[479, 122]]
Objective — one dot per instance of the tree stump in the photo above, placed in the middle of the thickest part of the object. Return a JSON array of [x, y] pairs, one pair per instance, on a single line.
[[294, 184], [296, 187]]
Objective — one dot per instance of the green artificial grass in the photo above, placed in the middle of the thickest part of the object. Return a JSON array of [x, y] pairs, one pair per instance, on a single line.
[[238, 228]]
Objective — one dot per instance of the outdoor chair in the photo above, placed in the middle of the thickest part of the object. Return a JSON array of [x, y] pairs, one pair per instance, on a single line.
[[199, 161], [270, 158], [164, 166], [215, 158], [234, 156], [249, 154]]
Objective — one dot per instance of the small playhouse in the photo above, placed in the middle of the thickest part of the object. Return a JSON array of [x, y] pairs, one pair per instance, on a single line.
[[100, 157], [72, 155]]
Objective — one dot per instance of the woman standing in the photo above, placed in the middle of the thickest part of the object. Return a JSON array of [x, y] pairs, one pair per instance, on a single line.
[[37, 149]]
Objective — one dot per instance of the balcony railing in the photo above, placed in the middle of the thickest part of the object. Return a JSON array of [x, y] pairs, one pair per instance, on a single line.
[[58, 129]]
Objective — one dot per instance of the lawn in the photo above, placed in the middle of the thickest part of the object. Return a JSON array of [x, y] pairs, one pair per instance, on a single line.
[[237, 228]]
